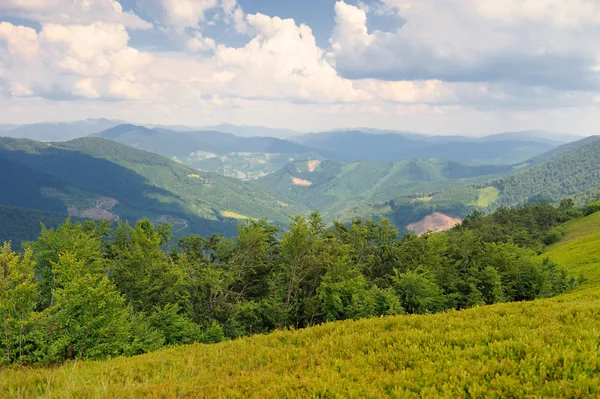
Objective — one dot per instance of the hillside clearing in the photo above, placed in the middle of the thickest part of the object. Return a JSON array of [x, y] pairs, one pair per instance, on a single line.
[[543, 348]]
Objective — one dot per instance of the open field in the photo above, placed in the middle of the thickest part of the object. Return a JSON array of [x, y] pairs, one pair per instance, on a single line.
[[544, 348]]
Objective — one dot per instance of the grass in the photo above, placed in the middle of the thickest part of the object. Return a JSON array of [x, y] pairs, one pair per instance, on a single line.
[[233, 215], [487, 196], [543, 348]]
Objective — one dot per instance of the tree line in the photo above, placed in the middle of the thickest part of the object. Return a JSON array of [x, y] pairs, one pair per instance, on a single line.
[[90, 291]]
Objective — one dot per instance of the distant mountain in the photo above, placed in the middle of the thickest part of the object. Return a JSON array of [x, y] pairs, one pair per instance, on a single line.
[[60, 131], [350, 146], [569, 171], [7, 128], [562, 150], [568, 174], [224, 153], [540, 136], [97, 178], [333, 188], [251, 131]]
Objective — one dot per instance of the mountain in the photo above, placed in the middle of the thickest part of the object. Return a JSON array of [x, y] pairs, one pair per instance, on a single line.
[[251, 131], [225, 153], [568, 174], [541, 136], [60, 131], [561, 150], [569, 171], [98, 178], [332, 187], [20, 224], [350, 146]]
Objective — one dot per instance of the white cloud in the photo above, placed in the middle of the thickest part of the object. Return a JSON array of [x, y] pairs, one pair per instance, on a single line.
[[532, 43], [200, 43], [447, 69], [73, 12], [186, 13]]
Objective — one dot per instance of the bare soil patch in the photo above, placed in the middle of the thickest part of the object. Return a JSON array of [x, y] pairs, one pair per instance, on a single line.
[[435, 222], [300, 182]]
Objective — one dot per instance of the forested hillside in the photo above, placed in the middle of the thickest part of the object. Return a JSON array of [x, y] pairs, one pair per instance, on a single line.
[[86, 291], [569, 171], [20, 224], [569, 174], [242, 157], [334, 188], [97, 178]]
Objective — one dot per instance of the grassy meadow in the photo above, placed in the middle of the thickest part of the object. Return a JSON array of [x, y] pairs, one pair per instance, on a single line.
[[543, 348]]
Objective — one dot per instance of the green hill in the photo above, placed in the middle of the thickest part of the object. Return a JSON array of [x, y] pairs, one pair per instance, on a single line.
[[565, 175], [334, 188], [543, 348], [97, 178], [214, 151], [570, 171], [21, 224]]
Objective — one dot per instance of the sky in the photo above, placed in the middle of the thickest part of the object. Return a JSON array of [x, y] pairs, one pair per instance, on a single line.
[[434, 66]]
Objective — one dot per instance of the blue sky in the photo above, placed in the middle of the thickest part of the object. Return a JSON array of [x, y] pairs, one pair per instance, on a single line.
[[434, 66]]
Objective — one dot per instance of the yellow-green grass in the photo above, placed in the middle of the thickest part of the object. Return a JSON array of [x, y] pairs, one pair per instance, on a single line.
[[543, 348], [487, 196], [233, 215]]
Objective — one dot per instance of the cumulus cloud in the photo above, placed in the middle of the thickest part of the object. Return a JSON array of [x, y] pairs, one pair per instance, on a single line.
[[73, 12], [534, 42], [60, 61], [485, 63]]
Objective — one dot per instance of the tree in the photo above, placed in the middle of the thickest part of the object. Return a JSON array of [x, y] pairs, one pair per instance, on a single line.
[[89, 319], [18, 298]]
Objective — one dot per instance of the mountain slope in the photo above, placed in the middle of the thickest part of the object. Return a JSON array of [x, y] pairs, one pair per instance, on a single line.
[[349, 146], [95, 178], [21, 224], [224, 153], [568, 174], [334, 188], [572, 170], [525, 349]]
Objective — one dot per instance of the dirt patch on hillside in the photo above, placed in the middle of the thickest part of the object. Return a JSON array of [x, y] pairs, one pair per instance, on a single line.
[[99, 212], [312, 165], [301, 182], [434, 222]]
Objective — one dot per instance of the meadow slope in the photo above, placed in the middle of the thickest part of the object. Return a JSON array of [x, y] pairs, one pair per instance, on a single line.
[[544, 348]]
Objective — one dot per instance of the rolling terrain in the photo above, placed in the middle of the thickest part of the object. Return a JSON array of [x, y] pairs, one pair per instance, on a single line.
[[504, 148], [571, 170], [97, 178], [542, 348], [334, 188], [224, 153]]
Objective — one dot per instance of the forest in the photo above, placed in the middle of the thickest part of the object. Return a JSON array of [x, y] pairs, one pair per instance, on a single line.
[[92, 291]]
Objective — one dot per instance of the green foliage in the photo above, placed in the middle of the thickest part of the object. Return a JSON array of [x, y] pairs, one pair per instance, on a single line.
[[591, 208], [336, 188], [538, 348], [100, 293], [562, 176]]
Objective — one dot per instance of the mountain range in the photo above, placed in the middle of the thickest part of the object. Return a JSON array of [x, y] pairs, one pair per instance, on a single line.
[[187, 177], [98, 178]]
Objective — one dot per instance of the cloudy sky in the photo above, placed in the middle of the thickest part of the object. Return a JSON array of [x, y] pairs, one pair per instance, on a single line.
[[434, 66]]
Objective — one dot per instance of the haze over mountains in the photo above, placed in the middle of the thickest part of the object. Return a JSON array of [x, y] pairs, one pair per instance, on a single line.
[[195, 178]]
